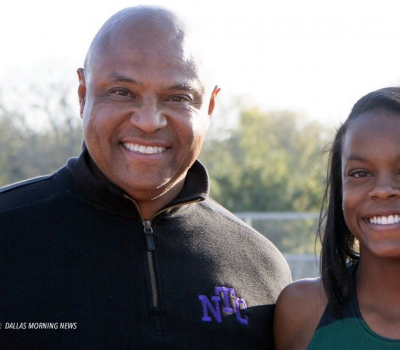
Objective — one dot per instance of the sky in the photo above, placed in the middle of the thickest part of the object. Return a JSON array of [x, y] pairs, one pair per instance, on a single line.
[[314, 57]]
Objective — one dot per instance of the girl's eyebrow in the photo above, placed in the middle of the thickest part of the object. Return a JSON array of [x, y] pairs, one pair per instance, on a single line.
[[355, 157], [359, 158]]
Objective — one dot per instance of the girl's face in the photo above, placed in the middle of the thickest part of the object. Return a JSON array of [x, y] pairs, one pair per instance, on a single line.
[[371, 182]]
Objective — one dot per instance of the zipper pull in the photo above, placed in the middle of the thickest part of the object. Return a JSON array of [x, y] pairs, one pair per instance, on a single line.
[[148, 230]]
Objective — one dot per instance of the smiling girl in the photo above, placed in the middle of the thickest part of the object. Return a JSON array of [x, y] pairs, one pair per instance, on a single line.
[[356, 302]]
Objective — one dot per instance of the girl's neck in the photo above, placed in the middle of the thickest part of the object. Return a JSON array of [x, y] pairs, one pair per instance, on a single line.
[[378, 294]]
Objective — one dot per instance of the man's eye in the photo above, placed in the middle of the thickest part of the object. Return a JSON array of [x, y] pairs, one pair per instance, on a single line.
[[180, 98], [120, 92]]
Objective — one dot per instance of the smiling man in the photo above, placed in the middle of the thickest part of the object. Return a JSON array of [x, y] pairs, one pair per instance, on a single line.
[[123, 244], [144, 105]]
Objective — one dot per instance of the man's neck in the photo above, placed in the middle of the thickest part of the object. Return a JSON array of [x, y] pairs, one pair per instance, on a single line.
[[149, 208]]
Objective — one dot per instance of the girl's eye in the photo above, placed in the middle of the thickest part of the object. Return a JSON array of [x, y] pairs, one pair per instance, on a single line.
[[358, 174]]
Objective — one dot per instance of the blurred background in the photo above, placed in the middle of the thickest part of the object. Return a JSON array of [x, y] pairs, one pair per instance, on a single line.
[[290, 71]]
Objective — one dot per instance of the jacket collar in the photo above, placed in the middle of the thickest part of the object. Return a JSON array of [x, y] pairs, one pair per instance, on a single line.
[[83, 175]]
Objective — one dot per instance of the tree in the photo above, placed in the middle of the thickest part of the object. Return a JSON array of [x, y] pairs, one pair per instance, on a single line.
[[269, 163], [29, 148]]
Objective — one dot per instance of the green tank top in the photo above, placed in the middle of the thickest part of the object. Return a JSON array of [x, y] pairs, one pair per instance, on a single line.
[[349, 332]]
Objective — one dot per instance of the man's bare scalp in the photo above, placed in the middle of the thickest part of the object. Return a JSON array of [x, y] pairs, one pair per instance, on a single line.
[[145, 29]]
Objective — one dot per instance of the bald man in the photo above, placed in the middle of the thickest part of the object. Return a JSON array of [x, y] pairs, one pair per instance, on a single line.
[[122, 248]]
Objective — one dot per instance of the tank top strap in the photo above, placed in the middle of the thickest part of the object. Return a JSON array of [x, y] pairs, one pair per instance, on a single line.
[[350, 309]]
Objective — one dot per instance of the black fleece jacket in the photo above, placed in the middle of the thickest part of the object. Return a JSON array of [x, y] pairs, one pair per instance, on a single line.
[[80, 269]]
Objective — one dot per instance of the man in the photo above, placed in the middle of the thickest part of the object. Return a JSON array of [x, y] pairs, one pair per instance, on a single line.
[[122, 248]]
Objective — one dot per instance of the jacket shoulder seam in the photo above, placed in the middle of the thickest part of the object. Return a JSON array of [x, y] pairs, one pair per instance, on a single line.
[[228, 215], [23, 183]]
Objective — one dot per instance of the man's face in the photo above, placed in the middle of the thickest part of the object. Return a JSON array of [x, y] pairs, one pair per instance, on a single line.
[[144, 114]]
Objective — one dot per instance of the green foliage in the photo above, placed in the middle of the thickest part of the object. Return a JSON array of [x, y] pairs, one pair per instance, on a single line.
[[28, 150], [271, 162]]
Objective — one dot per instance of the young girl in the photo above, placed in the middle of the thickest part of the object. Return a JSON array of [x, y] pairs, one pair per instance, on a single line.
[[356, 302]]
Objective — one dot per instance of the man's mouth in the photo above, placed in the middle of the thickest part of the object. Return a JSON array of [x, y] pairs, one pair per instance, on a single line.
[[134, 147], [385, 220]]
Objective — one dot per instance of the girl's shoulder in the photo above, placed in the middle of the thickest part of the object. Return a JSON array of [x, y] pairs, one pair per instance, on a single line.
[[297, 313]]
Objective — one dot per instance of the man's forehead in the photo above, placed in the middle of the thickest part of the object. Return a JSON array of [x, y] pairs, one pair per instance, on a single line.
[[125, 60]]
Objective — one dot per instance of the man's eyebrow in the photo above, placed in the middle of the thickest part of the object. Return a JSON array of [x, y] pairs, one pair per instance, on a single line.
[[119, 78], [197, 88]]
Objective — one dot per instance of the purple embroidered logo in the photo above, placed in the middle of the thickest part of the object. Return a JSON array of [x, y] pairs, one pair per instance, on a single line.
[[231, 305]]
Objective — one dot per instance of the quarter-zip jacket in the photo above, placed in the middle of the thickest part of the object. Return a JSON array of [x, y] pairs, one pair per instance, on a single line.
[[81, 269]]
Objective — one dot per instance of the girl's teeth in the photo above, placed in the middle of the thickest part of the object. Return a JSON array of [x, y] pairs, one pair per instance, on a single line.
[[385, 220]]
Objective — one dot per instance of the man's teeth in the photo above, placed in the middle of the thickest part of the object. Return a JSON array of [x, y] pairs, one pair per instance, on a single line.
[[144, 149], [385, 220]]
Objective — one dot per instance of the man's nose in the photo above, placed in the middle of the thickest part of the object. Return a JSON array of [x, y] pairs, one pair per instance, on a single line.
[[148, 116], [386, 187]]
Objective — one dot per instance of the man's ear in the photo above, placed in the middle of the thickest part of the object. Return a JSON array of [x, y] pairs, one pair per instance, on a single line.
[[212, 100], [81, 90]]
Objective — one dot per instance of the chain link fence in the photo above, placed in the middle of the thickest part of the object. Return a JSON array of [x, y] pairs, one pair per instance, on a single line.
[[294, 234]]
